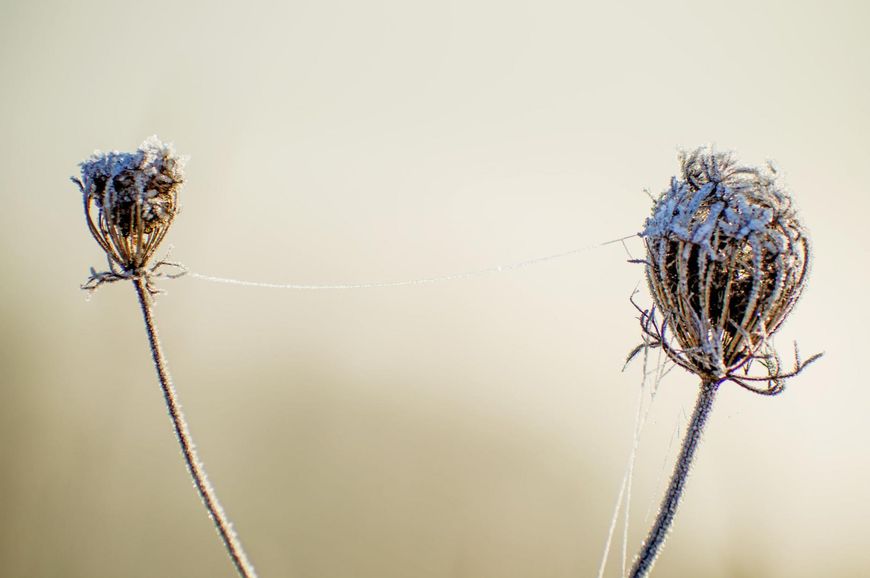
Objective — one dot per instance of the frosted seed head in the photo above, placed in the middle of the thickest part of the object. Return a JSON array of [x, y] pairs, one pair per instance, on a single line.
[[726, 261], [131, 199]]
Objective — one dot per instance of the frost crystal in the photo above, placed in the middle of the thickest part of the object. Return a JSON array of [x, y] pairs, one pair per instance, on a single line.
[[131, 199]]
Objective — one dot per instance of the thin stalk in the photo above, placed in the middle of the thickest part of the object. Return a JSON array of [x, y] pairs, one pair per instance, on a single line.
[[656, 537], [188, 450]]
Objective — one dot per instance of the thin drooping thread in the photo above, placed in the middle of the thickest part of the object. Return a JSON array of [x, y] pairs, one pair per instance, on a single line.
[[620, 498], [653, 543], [421, 281], [641, 422], [624, 494], [188, 450], [662, 477]]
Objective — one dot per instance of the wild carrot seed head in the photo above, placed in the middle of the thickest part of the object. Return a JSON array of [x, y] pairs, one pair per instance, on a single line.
[[131, 199], [727, 259]]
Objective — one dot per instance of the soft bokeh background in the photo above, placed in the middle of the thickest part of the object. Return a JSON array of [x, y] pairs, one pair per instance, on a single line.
[[475, 428]]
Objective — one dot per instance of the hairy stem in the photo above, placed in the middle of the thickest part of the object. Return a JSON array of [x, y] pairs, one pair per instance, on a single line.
[[188, 450], [655, 539]]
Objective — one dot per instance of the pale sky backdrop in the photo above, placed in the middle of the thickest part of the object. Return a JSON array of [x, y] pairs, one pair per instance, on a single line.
[[476, 428]]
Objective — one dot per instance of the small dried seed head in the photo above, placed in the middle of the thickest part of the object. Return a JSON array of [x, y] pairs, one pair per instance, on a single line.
[[131, 199], [726, 261]]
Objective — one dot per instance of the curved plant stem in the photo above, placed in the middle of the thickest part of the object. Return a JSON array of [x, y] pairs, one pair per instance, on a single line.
[[188, 450], [656, 537]]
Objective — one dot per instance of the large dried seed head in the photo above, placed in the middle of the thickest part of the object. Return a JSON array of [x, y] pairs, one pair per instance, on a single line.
[[726, 261], [131, 199]]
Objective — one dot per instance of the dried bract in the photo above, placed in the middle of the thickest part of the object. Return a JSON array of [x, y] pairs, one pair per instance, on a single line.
[[130, 200], [727, 259]]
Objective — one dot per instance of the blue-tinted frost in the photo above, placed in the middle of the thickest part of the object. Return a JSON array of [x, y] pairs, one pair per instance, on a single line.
[[693, 211]]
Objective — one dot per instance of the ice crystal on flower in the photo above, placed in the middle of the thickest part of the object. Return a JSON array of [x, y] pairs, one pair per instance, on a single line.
[[726, 261], [131, 199]]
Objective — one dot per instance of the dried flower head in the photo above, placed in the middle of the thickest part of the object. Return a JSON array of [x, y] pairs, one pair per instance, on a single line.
[[727, 259], [131, 199]]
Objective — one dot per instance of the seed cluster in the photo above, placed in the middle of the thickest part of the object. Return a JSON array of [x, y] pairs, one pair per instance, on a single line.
[[130, 200], [727, 259]]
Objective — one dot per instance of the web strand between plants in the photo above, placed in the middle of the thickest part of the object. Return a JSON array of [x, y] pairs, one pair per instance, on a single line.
[[409, 282]]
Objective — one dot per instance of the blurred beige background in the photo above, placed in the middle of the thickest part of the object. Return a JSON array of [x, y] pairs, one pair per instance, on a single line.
[[475, 428]]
